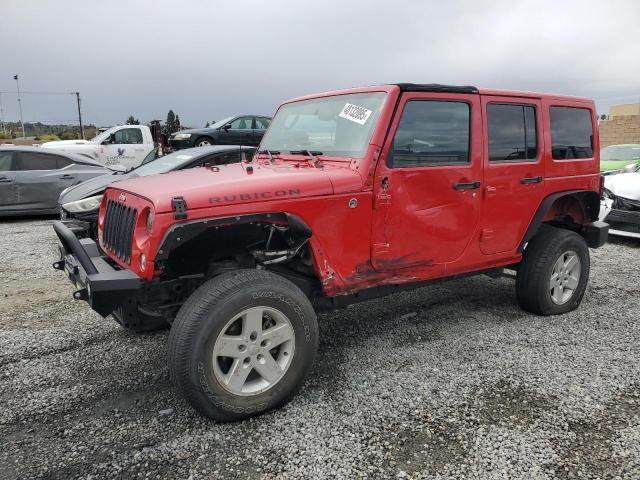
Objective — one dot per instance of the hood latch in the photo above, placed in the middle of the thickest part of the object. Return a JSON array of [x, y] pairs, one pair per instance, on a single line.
[[179, 207]]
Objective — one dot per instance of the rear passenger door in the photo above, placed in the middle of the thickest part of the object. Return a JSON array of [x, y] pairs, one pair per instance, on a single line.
[[513, 171], [38, 180], [261, 125]]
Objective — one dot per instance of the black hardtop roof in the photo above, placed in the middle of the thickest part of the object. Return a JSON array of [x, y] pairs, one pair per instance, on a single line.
[[436, 87]]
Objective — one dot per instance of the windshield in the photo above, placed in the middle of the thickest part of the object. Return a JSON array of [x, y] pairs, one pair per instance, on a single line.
[[163, 164], [339, 126], [620, 152], [102, 136], [222, 122]]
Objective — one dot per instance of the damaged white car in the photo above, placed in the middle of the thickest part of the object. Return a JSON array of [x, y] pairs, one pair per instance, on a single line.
[[620, 207]]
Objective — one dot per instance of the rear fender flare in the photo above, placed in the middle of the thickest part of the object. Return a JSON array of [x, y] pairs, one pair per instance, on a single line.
[[588, 200]]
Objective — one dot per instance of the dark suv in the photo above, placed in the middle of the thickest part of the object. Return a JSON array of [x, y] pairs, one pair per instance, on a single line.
[[241, 130]]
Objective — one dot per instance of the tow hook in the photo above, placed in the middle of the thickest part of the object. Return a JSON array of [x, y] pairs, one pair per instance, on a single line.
[[59, 265]]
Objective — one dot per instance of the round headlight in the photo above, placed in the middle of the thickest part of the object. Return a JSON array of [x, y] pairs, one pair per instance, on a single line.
[[149, 221]]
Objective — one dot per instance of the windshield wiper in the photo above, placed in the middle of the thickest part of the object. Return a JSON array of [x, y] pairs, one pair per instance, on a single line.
[[271, 153], [310, 153]]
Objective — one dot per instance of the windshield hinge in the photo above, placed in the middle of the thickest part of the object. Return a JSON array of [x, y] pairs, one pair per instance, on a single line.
[[180, 207]]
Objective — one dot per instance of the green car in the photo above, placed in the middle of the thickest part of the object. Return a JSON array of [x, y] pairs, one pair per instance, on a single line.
[[616, 157]]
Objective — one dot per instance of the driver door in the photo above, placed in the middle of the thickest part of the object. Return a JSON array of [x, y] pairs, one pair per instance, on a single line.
[[427, 183], [124, 147], [240, 132]]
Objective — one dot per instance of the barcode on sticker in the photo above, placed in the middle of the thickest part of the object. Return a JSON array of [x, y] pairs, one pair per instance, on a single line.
[[355, 113]]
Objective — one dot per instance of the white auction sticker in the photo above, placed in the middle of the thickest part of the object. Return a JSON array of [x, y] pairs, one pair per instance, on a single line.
[[355, 113]]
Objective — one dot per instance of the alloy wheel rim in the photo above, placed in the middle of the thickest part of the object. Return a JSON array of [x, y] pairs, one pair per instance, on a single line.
[[565, 277], [202, 143], [253, 351]]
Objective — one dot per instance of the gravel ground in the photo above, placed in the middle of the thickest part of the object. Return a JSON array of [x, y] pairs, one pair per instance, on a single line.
[[451, 381]]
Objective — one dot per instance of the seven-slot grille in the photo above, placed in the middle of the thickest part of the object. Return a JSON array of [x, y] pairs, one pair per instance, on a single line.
[[117, 231]]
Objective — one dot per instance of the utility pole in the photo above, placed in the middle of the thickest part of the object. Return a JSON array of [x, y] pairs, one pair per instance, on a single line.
[[80, 115], [15, 77], [1, 115]]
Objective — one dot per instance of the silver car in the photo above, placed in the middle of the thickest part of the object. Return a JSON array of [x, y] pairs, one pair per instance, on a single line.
[[31, 179]]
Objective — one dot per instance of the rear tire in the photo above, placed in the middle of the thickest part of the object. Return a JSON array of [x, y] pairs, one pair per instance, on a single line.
[[554, 272], [242, 344]]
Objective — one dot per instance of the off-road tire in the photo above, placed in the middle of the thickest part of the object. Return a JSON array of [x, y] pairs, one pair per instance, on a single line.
[[204, 316], [535, 270], [198, 142]]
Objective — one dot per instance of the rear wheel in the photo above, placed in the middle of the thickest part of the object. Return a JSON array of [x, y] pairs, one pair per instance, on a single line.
[[242, 344], [203, 141], [554, 272]]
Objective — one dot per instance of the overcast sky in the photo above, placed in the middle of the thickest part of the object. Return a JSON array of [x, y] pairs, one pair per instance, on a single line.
[[209, 59]]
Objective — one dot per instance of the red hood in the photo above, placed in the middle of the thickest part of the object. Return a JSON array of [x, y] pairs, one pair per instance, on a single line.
[[232, 184]]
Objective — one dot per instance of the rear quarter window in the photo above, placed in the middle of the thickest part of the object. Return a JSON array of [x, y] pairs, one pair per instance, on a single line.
[[571, 133]]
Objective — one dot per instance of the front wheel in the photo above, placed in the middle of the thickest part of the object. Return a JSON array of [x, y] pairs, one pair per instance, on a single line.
[[242, 344], [554, 272], [203, 142]]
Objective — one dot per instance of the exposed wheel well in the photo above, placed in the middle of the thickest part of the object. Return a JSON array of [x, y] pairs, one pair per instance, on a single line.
[[275, 242], [571, 210]]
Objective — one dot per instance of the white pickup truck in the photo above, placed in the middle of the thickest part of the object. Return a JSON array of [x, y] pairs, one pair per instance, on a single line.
[[125, 145]]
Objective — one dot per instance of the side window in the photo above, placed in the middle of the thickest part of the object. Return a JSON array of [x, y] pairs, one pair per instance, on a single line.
[[62, 162], [242, 123], [262, 123], [512, 132], [5, 161], [229, 157], [431, 132], [129, 136], [35, 161], [571, 133]]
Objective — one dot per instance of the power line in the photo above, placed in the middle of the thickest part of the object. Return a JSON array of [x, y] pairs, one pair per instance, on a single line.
[[42, 93]]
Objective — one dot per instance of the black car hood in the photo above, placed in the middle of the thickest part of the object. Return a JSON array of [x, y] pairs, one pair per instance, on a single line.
[[91, 187]]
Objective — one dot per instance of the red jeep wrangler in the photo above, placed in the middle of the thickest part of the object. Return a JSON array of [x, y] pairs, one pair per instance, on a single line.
[[354, 194]]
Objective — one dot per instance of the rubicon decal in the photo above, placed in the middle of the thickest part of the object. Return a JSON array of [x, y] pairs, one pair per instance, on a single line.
[[241, 197]]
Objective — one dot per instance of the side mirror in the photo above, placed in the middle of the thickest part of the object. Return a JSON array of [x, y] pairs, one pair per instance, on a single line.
[[226, 127], [111, 139]]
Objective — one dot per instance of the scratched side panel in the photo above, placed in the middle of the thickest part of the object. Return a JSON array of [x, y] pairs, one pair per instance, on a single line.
[[341, 235]]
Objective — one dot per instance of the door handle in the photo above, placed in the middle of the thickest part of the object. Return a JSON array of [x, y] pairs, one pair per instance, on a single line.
[[5, 180], [67, 177], [466, 186], [530, 180]]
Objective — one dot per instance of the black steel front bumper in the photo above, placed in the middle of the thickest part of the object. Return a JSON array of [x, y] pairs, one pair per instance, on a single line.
[[103, 286]]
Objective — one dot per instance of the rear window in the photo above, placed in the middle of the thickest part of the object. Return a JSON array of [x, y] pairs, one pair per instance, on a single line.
[[35, 161], [571, 133]]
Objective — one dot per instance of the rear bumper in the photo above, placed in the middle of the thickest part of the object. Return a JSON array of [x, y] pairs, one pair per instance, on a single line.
[[101, 285], [595, 234]]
